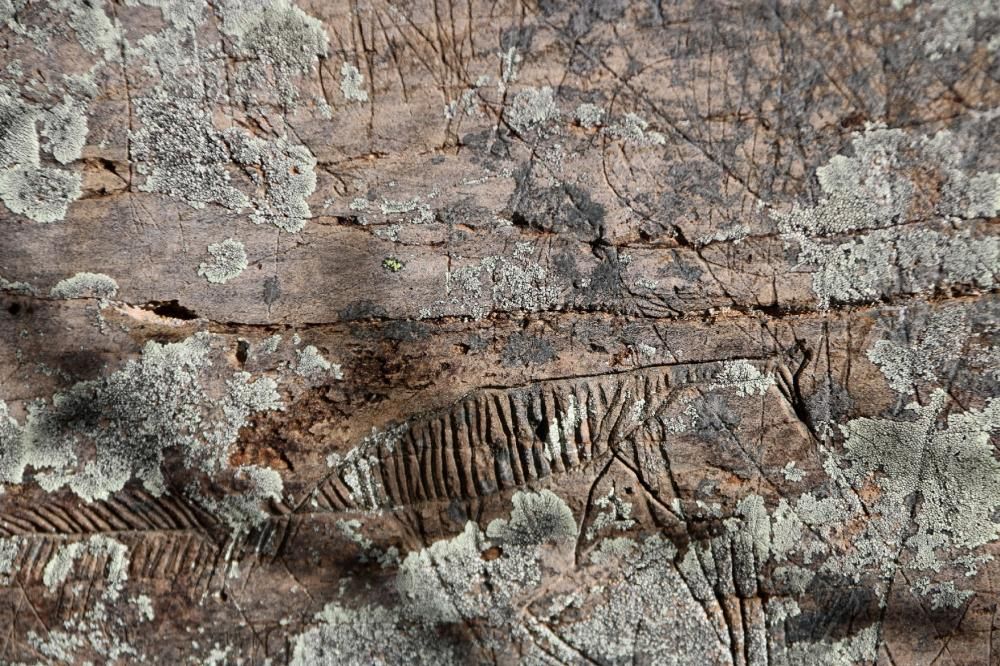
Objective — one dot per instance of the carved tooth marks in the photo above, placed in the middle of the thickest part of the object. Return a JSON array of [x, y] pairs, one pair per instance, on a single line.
[[496, 440]]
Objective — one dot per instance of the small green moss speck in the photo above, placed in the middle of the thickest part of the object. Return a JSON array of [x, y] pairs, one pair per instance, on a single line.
[[393, 264]]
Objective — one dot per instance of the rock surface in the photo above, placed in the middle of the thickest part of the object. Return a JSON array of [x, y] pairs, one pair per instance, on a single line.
[[546, 332]]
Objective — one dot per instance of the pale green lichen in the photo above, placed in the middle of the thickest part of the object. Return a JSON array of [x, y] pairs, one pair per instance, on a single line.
[[180, 152], [517, 283], [635, 131], [9, 548], [872, 193], [271, 345], [65, 126], [733, 233], [950, 26], [312, 364], [278, 34], [145, 606], [94, 29], [17, 287], [952, 468], [646, 615], [614, 512], [536, 518], [288, 178], [983, 193], [177, 146], [589, 115], [861, 648], [369, 635], [242, 512], [562, 427], [99, 434], [229, 259], [942, 595], [937, 342], [744, 377], [26, 187], [60, 565], [352, 83], [447, 582], [18, 140], [40, 193], [531, 108], [85, 285], [91, 629], [792, 473]]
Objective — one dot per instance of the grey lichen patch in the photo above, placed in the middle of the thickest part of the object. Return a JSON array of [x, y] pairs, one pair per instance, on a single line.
[[935, 344], [792, 473], [872, 193], [65, 126], [950, 26], [744, 377], [589, 115], [649, 602], [446, 582], [289, 177], [531, 108], [99, 434], [312, 364], [18, 140], [351, 529], [861, 648], [271, 345], [517, 282], [370, 635], [536, 518], [635, 131], [352, 83], [9, 548], [95, 30], [95, 629], [733, 233], [61, 564], [17, 287], [242, 512], [953, 469], [983, 195], [27, 188], [181, 154], [277, 34], [229, 259], [40, 193], [145, 606], [614, 512], [85, 285]]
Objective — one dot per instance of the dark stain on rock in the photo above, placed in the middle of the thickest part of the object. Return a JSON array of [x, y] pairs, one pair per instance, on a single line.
[[525, 349], [396, 331], [561, 209], [842, 609], [360, 310], [583, 16], [272, 290], [603, 287]]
